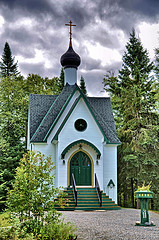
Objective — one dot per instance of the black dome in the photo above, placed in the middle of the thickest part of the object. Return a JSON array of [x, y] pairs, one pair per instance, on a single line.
[[70, 59]]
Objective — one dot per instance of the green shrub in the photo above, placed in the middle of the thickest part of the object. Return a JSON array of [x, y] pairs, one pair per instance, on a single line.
[[4, 219], [33, 193], [57, 229], [53, 229]]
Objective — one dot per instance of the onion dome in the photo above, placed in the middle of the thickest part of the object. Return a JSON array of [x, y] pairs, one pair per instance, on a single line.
[[70, 59]]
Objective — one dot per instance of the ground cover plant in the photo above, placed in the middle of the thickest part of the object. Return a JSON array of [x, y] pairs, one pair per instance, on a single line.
[[30, 203]]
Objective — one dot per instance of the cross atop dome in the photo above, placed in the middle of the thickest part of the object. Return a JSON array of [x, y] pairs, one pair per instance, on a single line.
[[70, 25], [70, 61]]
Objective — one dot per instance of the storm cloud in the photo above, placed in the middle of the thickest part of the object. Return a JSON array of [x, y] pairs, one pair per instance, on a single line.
[[37, 35]]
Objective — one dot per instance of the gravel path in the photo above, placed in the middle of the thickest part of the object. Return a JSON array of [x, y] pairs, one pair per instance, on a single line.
[[112, 225]]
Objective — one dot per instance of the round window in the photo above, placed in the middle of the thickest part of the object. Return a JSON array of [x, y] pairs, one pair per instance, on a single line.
[[80, 125]]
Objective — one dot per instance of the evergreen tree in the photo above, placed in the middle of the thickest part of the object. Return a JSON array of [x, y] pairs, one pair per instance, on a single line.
[[7, 65], [12, 108], [62, 80], [83, 86], [157, 76], [132, 93], [14, 98]]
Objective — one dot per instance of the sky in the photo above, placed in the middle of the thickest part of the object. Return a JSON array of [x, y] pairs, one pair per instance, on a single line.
[[37, 35]]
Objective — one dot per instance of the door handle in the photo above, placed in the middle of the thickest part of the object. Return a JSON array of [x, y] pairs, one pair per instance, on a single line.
[[79, 170]]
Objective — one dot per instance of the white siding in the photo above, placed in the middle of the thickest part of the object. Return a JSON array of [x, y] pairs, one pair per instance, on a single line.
[[110, 170], [48, 150], [70, 76], [69, 135], [106, 168]]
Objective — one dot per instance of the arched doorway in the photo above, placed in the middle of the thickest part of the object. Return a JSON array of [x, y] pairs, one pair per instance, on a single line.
[[80, 166]]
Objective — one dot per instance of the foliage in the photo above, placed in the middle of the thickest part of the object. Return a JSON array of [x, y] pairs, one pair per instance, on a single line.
[[34, 84], [132, 95], [31, 195], [14, 98], [144, 188], [12, 130], [4, 219], [62, 80], [157, 77], [83, 86], [33, 187], [51, 230], [7, 65]]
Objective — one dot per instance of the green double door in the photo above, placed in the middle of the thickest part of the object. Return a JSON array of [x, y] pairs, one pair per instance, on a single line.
[[80, 166]]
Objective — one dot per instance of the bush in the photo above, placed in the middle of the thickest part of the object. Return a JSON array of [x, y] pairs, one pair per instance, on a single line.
[[53, 228], [57, 230], [32, 194]]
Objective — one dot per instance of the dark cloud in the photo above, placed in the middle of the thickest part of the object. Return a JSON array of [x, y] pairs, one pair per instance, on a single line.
[[35, 6], [38, 68], [145, 7], [90, 64], [94, 78], [97, 21]]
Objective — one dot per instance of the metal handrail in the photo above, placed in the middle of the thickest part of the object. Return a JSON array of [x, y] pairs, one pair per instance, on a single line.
[[74, 189], [99, 192]]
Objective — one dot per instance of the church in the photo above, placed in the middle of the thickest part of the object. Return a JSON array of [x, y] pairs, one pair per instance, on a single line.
[[77, 131]]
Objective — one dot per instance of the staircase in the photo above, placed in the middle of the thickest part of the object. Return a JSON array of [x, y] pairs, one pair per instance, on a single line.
[[87, 200]]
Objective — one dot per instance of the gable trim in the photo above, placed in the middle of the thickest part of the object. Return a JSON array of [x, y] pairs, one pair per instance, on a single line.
[[60, 113], [105, 138], [58, 116], [67, 100], [79, 142], [66, 118], [74, 105]]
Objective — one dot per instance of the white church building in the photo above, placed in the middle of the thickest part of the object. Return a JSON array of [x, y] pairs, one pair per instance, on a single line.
[[77, 131]]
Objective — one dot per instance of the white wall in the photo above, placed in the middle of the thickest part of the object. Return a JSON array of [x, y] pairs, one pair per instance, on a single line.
[[107, 167], [70, 76], [48, 150], [110, 170], [69, 135]]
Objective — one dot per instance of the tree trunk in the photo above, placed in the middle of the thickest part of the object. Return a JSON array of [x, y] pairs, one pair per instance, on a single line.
[[125, 199], [132, 192]]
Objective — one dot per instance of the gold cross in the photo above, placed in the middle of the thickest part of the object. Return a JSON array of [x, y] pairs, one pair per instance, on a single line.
[[71, 25]]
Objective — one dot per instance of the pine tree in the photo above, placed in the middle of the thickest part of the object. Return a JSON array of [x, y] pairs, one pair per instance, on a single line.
[[157, 76], [132, 93], [14, 99], [61, 80], [83, 86], [7, 65], [12, 129]]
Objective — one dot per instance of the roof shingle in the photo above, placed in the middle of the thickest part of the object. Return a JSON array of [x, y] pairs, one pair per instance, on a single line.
[[44, 110]]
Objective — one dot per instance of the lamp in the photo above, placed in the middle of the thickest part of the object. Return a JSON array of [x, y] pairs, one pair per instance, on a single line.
[[80, 146]]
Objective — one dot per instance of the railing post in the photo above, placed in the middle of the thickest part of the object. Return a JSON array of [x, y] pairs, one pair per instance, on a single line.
[[74, 189]]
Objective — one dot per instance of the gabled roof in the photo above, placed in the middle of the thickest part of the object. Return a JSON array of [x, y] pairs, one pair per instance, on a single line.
[[103, 112], [52, 114], [45, 111], [38, 108]]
